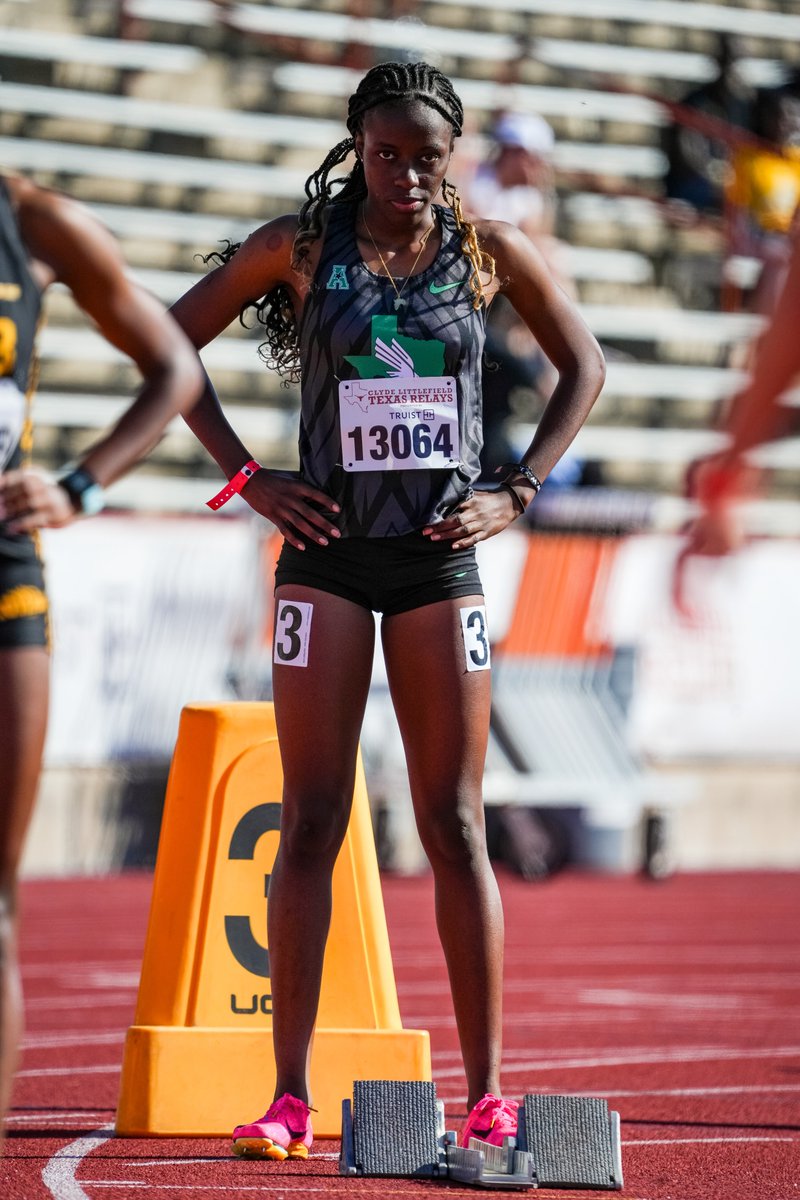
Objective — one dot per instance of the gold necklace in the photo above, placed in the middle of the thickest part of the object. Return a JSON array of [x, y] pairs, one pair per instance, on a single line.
[[398, 301]]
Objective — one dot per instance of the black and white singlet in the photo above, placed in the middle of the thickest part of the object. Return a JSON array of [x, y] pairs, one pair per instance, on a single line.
[[391, 413], [20, 308]]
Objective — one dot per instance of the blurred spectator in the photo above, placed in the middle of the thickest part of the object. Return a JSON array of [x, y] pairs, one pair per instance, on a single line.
[[698, 168], [517, 180], [765, 191], [515, 184]]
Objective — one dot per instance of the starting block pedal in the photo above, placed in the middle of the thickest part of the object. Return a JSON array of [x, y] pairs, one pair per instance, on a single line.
[[574, 1141], [393, 1128], [488, 1166]]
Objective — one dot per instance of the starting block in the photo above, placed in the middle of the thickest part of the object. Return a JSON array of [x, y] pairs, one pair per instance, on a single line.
[[397, 1128], [393, 1128], [574, 1141]]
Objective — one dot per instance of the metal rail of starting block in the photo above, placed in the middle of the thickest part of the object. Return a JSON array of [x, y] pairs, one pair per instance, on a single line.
[[396, 1128]]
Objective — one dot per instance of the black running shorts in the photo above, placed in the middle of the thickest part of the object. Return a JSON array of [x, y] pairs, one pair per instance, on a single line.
[[23, 603], [389, 574]]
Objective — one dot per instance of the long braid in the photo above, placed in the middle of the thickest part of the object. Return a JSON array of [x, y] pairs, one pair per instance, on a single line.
[[386, 84], [479, 259]]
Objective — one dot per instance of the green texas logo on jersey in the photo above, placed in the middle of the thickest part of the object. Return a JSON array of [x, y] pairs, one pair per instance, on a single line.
[[395, 356]]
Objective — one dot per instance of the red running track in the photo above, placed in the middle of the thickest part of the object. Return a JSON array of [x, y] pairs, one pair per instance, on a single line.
[[678, 1001]]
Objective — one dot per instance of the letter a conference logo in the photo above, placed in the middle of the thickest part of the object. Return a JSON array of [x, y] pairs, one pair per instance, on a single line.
[[338, 279]]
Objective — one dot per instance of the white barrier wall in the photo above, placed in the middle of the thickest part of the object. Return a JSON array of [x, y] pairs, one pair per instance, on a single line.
[[726, 683], [152, 613], [148, 614]]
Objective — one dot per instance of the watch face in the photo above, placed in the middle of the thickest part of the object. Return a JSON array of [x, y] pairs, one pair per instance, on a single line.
[[93, 500], [84, 491]]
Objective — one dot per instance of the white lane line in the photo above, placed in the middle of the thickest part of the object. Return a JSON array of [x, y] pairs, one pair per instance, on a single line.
[[37, 1072], [747, 1089], [701, 1141], [107, 999], [555, 987], [551, 962], [745, 1022], [213, 1161], [618, 1093], [79, 971], [58, 1175], [686, 1054], [50, 1041], [637, 997], [35, 1117]]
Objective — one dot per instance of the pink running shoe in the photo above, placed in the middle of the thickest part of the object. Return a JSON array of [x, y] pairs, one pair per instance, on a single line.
[[491, 1120], [283, 1132]]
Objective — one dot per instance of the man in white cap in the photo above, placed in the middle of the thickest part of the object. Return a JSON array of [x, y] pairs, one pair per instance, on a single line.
[[516, 184]]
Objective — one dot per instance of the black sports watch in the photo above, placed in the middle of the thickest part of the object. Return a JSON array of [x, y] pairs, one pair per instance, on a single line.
[[86, 494]]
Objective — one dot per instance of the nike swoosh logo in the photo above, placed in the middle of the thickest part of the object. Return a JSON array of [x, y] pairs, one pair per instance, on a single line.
[[436, 288]]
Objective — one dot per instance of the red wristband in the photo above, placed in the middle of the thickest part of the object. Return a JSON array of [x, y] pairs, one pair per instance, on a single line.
[[234, 485], [720, 480]]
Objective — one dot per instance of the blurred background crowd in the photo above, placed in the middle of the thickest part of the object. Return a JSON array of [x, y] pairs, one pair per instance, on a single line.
[[652, 153]]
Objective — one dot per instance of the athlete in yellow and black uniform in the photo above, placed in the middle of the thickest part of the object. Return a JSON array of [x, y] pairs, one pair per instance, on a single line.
[[46, 238], [23, 604]]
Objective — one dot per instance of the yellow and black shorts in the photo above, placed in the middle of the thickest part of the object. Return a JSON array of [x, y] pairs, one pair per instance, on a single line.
[[24, 609]]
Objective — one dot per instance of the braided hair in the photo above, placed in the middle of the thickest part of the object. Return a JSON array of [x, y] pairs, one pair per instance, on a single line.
[[385, 84]]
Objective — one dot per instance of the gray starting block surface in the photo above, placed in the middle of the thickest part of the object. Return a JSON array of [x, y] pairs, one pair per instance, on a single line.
[[574, 1141], [393, 1128]]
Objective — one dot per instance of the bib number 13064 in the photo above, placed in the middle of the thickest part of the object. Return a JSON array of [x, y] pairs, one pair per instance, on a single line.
[[399, 424]]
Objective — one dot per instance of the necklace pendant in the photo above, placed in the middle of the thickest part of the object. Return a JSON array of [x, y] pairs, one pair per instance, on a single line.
[[399, 303]]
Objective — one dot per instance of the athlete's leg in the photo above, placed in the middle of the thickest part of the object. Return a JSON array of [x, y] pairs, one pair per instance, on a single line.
[[443, 713], [319, 709], [24, 675]]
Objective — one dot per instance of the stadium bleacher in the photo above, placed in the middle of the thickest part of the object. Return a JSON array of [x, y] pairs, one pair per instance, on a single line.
[[54, 48], [118, 121], [679, 17], [455, 41]]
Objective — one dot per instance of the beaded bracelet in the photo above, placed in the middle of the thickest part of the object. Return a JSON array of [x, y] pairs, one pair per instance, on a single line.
[[525, 472]]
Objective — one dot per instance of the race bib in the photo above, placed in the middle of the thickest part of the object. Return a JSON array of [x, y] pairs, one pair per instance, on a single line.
[[399, 424], [12, 418], [292, 633], [476, 638]]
